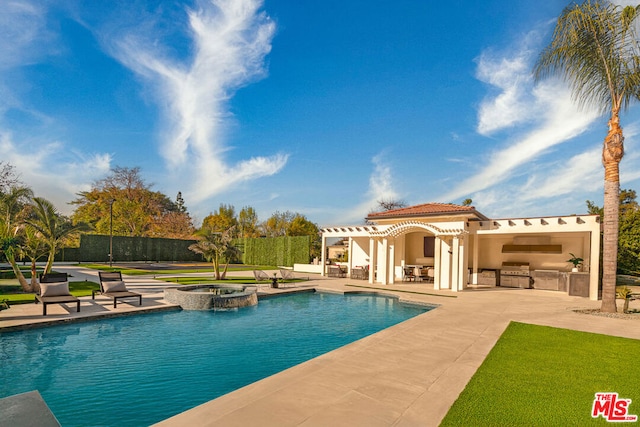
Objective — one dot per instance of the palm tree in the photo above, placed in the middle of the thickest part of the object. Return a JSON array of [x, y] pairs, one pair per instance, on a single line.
[[12, 212], [213, 246], [33, 247], [54, 227], [594, 48]]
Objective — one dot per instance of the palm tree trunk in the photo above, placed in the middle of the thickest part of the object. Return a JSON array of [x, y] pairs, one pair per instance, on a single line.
[[216, 267], [224, 272], [16, 270], [612, 153], [50, 259], [35, 286]]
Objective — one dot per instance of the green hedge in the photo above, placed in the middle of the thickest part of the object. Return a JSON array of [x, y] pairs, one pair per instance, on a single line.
[[95, 248], [284, 251]]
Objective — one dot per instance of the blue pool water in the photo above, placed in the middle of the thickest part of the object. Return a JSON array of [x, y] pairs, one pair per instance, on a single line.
[[137, 370]]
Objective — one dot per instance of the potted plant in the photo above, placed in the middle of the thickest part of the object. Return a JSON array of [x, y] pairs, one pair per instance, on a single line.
[[576, 261]]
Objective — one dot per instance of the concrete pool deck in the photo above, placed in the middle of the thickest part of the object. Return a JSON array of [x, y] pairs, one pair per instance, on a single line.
[[406, 375]]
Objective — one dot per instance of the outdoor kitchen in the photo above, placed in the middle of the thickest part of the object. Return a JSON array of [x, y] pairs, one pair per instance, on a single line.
[[538, 262]]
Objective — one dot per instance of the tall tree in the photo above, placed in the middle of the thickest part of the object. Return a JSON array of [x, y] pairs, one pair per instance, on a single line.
[[594, 48], [8, 177], [221, 220], [248, 222], [137, 209], [301, 226], [53, 226], [390, 204], [276, 225]]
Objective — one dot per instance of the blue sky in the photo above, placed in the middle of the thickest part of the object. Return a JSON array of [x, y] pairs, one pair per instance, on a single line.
[[317, 107]]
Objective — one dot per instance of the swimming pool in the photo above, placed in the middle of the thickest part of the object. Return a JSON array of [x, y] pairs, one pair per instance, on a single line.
[[138, 370]]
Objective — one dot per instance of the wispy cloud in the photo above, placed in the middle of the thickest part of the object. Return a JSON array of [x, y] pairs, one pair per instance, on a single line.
[[60, 176], [380, 188], [27, 40], [510, 105], [230, 40], [530, 120]]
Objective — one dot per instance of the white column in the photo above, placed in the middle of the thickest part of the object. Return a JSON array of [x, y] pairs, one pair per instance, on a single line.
[[455, 265], [392, 262], [476, 252], [437, 263], [594, 265], [372, 259], [323, 257], [350, 265], [383, 261], [464, 260], [445, 263]]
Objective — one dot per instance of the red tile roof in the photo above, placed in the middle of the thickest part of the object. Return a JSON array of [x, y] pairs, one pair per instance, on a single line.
[[427, 209]]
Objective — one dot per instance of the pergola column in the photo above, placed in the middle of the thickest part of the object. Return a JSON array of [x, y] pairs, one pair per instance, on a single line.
[[384, 262], [455, 264], [373, 259], [323, 257], [391, 263], [437, 261]]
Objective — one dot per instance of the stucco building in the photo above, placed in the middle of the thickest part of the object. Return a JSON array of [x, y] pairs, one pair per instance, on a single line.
[[459, 248]]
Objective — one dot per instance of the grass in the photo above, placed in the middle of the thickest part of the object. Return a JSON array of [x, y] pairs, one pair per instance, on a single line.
[[543, 376]]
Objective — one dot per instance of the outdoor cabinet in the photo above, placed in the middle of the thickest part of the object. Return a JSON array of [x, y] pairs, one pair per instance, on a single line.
[[579, 284], [546, 279]]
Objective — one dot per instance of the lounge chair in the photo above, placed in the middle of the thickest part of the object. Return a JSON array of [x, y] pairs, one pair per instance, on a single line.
[[287, 274], [261, 276], [112, 286], [54, 289]]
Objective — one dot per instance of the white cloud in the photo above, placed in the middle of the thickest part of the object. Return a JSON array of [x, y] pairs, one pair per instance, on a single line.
[[25, 37], [231, 39], [510, 76], [50, 175], [380, 188], [539, 117]]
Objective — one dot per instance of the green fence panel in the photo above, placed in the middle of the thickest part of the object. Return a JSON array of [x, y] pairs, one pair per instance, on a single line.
[[276, 251]]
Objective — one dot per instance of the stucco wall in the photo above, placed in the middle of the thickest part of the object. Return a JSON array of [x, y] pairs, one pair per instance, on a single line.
[[490, 252]]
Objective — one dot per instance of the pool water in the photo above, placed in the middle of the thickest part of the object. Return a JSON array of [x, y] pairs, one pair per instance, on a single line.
[[138, 370]]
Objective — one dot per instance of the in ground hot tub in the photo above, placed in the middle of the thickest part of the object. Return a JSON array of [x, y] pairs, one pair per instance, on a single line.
[[208, 297]]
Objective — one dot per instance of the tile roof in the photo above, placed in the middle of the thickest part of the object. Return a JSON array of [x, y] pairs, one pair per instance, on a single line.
[[427, 209]]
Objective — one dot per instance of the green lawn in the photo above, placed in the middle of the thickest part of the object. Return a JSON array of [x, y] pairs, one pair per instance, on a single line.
[[543, 376]]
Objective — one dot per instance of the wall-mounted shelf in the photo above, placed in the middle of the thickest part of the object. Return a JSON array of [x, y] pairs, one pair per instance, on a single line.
[[539, 249]]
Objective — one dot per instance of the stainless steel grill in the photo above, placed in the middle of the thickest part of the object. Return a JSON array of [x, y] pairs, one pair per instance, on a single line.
[[515, 275]]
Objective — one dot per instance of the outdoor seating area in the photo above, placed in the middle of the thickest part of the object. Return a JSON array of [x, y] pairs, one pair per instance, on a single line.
[[335, 270], [262, 277], [360, 273], [112, 286], [54, 289], [418, 274]]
